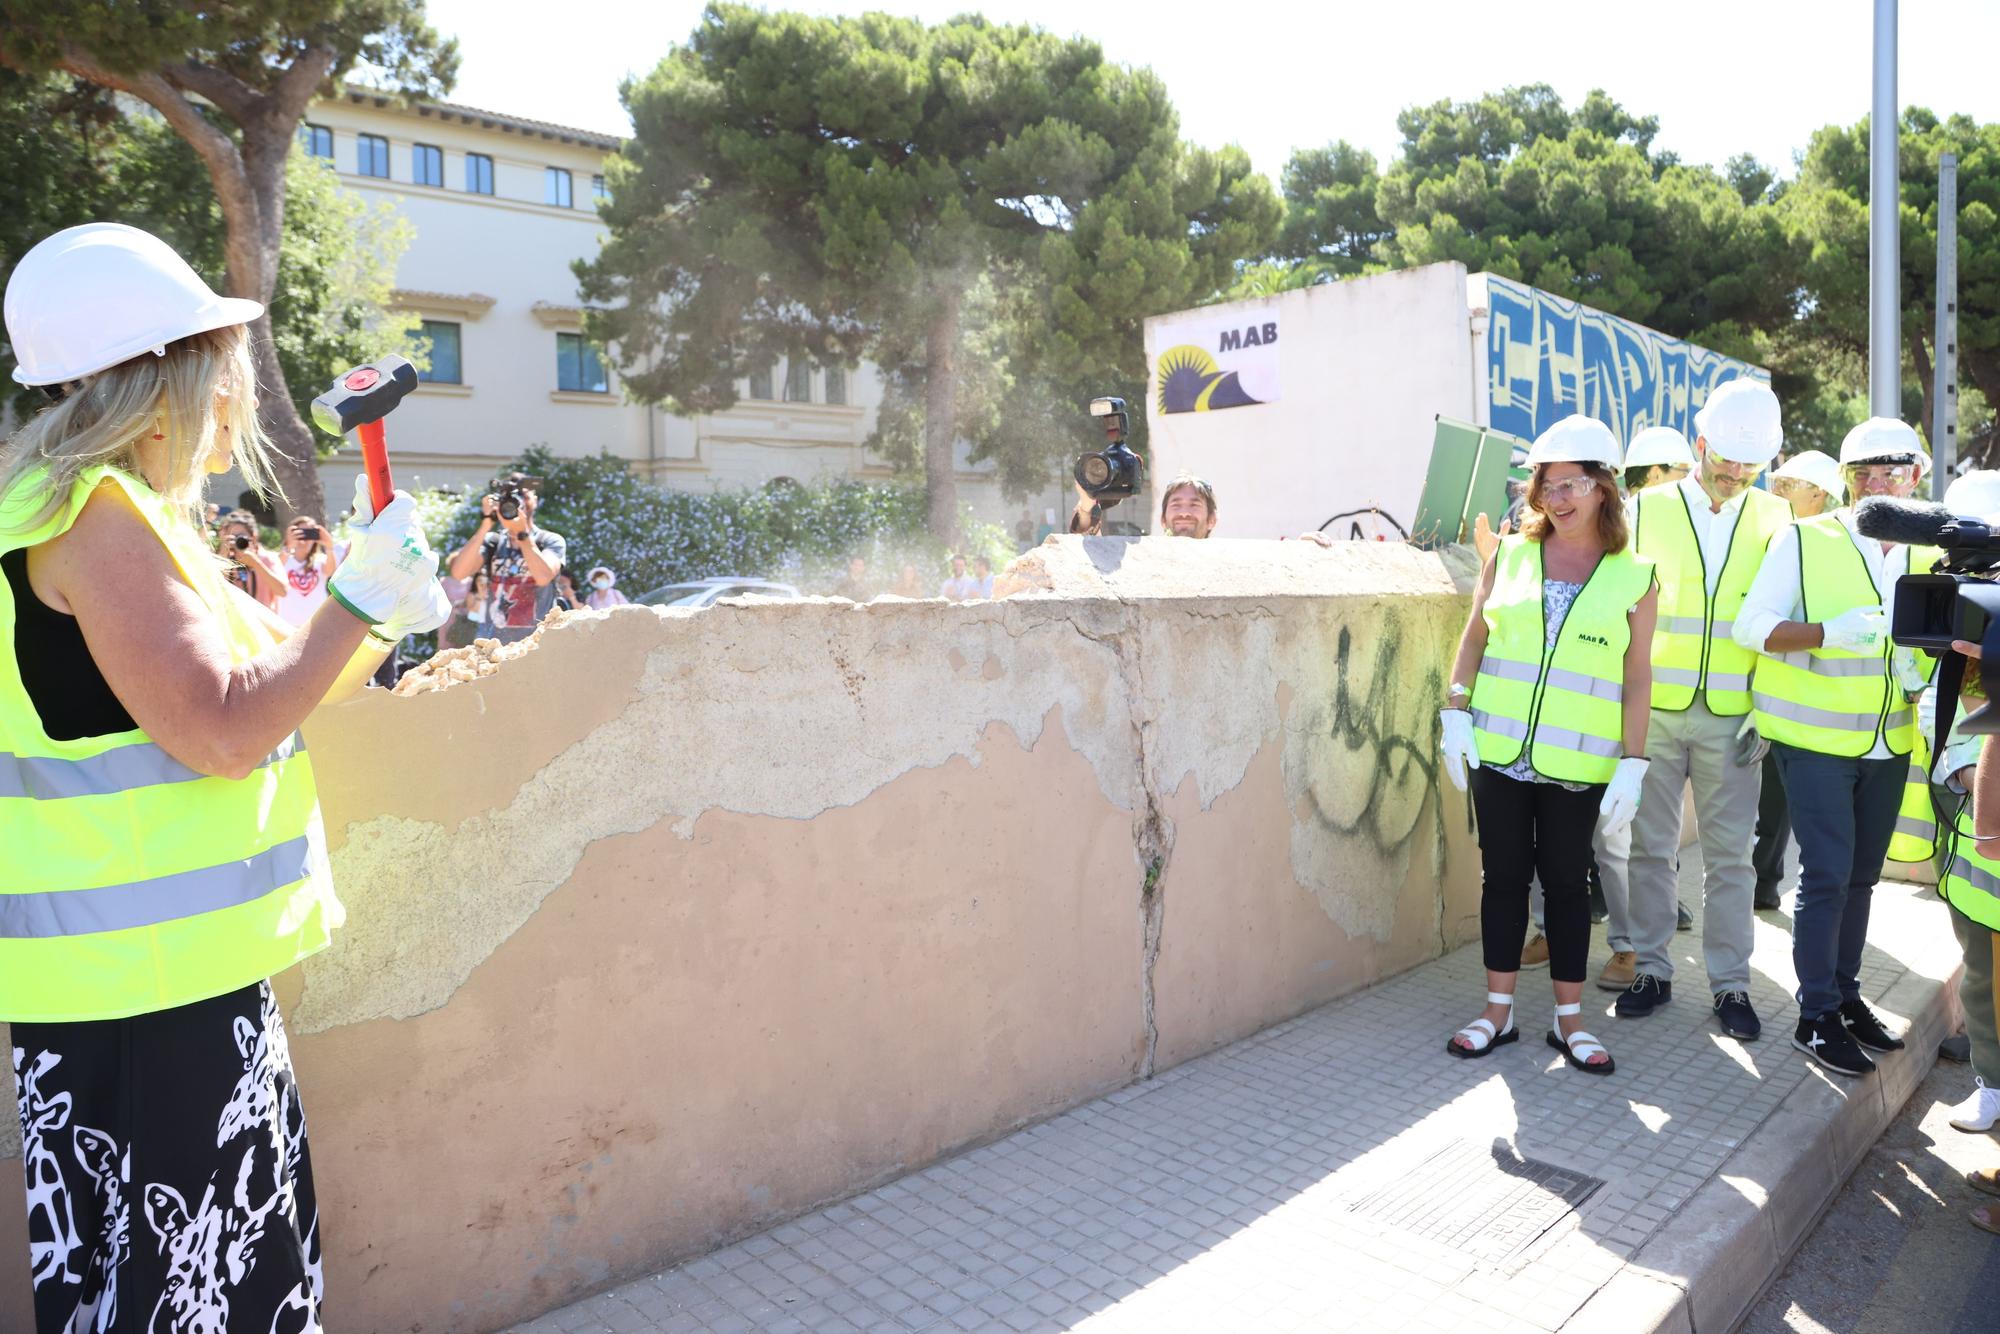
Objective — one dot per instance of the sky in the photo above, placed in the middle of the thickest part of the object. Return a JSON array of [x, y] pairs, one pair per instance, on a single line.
[[1723, 76]]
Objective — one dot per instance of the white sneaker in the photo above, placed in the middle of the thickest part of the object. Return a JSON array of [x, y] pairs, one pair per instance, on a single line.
[[1979, 1111]]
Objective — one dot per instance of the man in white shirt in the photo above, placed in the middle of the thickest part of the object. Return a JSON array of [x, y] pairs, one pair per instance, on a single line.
[[1834, 700], [1707, 536]]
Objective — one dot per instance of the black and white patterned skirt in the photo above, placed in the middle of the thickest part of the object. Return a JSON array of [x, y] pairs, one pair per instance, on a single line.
[[169, 1191]]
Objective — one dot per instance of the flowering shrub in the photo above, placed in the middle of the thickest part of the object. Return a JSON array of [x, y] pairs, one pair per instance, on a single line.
[[797, 534]]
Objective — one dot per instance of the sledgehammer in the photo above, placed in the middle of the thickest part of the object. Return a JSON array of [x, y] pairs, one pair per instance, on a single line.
[[358, 402]]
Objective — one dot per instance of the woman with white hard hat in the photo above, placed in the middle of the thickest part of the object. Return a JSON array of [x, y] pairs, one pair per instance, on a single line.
[[1657, 455], [1547, 708], [1810, 481], [162, 836], [1969, 874], [1834, 697]]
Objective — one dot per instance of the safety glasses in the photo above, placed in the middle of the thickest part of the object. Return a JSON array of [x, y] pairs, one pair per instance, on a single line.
[[1574, 488]]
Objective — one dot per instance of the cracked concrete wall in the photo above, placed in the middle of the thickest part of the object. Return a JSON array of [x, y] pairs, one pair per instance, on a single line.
[[689, 921]]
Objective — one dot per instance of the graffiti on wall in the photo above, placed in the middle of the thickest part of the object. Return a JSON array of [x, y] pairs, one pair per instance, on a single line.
[[1548, 357]]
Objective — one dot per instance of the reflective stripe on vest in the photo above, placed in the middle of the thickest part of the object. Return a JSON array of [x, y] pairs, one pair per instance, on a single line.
[[1563, 705], [1971, 880], [134, 883], [1693, 653], [1915, 836], [1829, 700]]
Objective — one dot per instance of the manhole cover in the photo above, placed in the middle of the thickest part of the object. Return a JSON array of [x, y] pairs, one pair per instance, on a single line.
[[1483, 1201]]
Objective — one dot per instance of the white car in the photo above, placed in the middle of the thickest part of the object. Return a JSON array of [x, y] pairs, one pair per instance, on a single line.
[[702, 592]]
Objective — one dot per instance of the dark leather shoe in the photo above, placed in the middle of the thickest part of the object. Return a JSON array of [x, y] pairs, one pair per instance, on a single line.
[[1867, 1028], [1646, 994], [1738, 1019], [1767, 897]]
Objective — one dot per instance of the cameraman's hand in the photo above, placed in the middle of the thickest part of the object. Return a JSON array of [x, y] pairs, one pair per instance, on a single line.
[[1968, 648], [518, 525], [389, 578], [489, 507], [1858, 630]]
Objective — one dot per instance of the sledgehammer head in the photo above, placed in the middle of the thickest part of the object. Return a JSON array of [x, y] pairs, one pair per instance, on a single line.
[[364, 394]]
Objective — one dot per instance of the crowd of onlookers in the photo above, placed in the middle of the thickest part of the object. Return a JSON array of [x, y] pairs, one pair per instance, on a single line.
[[963, 584]]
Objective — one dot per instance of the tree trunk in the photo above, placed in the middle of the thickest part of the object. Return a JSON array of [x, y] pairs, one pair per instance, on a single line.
[[941, 420], [255, 235]]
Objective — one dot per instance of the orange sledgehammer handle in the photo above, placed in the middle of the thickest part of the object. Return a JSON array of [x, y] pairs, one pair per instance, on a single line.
[[375, 459]]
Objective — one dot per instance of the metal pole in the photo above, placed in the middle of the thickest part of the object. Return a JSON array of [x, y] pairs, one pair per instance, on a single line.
[[1944, 346], [1885, 362]]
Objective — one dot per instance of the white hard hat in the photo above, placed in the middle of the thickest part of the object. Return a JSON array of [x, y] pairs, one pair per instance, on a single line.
[[1659, 444], [1741, 422], [1883, 438], [1577, 439], [89, 297], [1976, 493], [1820, 469]]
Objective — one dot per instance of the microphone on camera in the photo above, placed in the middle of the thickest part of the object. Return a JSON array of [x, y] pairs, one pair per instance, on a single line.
[[1918, 523]]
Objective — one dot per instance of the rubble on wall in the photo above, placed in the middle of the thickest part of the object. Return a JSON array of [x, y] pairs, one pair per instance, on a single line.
[[482, 657]]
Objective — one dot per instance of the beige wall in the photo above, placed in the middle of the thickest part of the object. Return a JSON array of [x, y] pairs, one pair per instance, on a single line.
[[689, 921], [512, 252]]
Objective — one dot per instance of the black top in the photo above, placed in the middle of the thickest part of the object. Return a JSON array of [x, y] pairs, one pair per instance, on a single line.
[[61, 677]]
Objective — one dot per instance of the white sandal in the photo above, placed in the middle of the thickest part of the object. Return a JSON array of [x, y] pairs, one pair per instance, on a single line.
[[1479, 1035], [1580, 1046]]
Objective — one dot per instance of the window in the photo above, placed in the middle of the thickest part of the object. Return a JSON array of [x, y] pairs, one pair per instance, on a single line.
[[836, 385], [556, 187], [446, 367], [760, 383], [426, 164], [798, 380], [317, 140], [579, 367], [478, 174], [598, 189], [371, 155]]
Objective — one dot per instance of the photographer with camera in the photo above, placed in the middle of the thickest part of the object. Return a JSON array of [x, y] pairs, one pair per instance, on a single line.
[[1833, 696], [251, 567], [310, 560], [520, 560]]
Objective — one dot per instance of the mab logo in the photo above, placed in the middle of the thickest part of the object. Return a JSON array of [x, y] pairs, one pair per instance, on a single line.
[[1234, 340]]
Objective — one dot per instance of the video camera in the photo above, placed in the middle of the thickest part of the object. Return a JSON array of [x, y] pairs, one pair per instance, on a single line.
[[1113, 473], [1958, 600]]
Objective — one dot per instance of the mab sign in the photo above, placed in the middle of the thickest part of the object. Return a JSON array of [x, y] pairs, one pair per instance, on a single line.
[[1221, 361]]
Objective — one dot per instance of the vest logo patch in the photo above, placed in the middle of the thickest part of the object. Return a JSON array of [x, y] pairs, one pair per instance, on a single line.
[[1598, 640]]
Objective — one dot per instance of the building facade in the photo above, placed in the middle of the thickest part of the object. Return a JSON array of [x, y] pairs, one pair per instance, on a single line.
[[500, 208]]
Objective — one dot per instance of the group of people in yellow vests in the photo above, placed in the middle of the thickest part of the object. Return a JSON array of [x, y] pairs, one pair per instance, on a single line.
[[1623, 649]]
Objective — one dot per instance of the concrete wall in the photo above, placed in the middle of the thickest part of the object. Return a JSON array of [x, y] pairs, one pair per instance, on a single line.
[[688, 921], [1365, 367]]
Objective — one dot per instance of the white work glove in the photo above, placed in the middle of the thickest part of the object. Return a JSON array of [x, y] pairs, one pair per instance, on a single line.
[[1457, 748], [1909, 673], [1750, 747], [1859, 630], [389, 578], [1621, 795]]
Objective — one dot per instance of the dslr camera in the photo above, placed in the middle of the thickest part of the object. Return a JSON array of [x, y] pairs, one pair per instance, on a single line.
[[1959, 599], [509, 492], [1114, 472]]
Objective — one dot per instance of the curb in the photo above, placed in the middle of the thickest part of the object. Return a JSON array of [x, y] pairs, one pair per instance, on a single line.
[[1708, 1265]]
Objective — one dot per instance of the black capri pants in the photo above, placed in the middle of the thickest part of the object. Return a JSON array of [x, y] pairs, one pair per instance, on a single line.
[[1527, 830]]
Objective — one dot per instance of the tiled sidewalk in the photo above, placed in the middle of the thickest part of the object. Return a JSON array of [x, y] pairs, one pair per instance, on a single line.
[[1281, 1183]]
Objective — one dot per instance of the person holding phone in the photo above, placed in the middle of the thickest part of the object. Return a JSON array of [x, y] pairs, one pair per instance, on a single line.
[[310, 561]]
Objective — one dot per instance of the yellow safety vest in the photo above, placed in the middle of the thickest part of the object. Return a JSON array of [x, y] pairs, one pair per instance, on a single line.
[[134, 883], [1971, 880], [1915, 839], [1829, 700], [1565, 704], [1692, 651]]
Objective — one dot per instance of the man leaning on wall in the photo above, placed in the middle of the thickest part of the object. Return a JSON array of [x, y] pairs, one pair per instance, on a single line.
[[1707, 536]]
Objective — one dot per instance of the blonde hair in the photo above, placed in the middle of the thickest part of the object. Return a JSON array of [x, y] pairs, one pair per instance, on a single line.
[[205, 384]]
